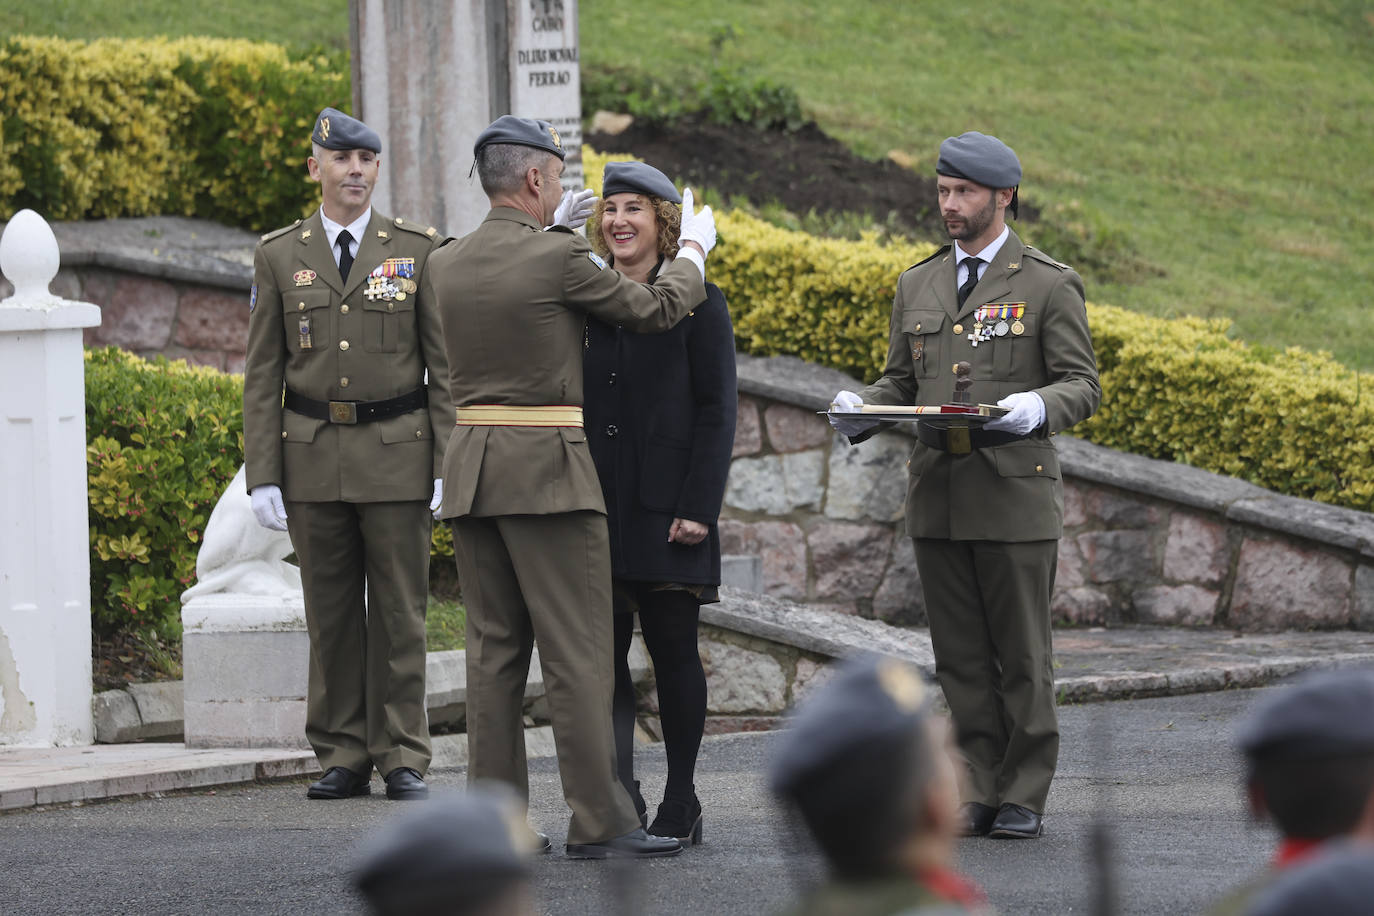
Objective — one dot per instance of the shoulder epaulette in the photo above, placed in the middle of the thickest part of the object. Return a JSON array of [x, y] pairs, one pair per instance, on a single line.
[[939, 251], [1046, 259], [267, 237], [558, 228], [417, 228]]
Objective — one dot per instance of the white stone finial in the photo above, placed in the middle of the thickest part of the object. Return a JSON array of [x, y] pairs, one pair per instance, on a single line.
[[29, 258]]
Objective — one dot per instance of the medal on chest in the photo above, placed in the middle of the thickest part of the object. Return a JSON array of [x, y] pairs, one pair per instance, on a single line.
[[391, 279], [997, 320]]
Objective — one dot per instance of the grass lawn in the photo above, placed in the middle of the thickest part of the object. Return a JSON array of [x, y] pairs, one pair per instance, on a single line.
[[444, 625], [1226, 143], [1221, 149], [295, 23]]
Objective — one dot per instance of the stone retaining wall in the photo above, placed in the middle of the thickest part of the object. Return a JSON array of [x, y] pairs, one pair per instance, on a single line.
[[165, 285], [1145, 541]]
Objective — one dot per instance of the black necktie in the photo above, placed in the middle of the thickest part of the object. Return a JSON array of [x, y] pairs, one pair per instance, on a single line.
[[346, 259], [972, 280]]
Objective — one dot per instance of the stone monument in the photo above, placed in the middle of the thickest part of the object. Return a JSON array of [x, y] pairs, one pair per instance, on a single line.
[[428, 75], [45, 569], [245, 649]]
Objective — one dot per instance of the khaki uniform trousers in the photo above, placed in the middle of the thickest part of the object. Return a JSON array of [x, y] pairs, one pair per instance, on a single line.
[[988, 603], [366, 700], [545, 579]]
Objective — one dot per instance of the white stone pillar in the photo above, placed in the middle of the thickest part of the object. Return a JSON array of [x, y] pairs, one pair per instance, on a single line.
[[45, 574]]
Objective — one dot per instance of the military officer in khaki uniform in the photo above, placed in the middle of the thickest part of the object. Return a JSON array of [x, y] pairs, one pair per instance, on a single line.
[[519, 483], [985, 506], [340, 447]]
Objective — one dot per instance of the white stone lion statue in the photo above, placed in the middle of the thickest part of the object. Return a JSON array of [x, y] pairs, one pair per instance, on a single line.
[[240, 557]]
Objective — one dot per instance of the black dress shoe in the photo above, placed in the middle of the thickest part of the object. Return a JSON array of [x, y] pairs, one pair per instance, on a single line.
[[634, 845], [1016, 823], [405, 784], [975, 819], [339, 782], [679, 819]]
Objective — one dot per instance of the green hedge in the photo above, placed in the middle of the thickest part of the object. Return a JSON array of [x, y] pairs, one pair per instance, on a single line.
[[1292, 421], [197, 127], [163, 441]]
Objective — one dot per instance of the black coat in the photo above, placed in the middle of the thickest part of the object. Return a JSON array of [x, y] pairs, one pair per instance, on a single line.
[[660, 417]]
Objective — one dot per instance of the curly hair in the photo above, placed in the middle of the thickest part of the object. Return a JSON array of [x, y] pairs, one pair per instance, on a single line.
[[667, 218]]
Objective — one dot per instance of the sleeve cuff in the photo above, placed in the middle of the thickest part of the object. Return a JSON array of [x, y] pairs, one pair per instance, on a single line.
[[695, 257]]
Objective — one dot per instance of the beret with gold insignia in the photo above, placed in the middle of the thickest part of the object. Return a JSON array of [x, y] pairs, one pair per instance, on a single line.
[[336, 130], [521, 132]]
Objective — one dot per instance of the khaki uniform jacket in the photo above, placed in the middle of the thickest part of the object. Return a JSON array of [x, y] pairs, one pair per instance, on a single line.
[[515, 300], [1011, 492], [359, 350]]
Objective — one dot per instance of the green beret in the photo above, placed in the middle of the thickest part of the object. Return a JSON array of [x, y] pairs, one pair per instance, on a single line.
[[522, 132], [336, 130], [637, 178], [454, 854], [1327, 714]]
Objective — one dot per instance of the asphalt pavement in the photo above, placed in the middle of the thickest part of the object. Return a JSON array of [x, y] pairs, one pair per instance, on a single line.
[[1160, 773]]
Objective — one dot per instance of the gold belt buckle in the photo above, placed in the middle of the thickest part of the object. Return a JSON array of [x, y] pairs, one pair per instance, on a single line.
[[345, 412], [959, 443]]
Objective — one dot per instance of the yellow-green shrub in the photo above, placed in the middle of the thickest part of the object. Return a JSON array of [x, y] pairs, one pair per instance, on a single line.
[[163, 440], [206, 127], [1292, 421]]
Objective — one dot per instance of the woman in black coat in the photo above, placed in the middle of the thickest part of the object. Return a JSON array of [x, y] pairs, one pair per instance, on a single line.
[[660, 416]]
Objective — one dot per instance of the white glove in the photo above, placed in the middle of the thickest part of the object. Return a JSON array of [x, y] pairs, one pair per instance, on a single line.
[[849, 401], [438, 497], [268, 507], [699, 227], [574, 208], [1027, 413]]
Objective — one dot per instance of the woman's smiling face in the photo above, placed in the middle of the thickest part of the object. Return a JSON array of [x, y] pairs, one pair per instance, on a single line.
[[629, 226]]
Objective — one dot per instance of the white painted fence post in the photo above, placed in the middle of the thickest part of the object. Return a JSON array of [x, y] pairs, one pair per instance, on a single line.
[[45, 574]]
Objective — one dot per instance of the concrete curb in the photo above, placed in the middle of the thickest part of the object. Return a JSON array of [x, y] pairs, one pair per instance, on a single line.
[[150, 712], [140, 712], [74, 775], [53, 776], [1137, 685]]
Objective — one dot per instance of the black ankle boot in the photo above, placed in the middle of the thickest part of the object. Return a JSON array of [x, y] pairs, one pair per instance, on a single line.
[[641, 808], [679, 818]]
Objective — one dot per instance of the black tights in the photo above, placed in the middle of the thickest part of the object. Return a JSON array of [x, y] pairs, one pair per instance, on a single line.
[[668, 620]]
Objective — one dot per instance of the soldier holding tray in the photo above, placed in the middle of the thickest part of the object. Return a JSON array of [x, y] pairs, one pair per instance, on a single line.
[[985, 502]]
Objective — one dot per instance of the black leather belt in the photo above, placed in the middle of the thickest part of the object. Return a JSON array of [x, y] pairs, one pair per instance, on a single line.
[[350, 413], [961, 440]]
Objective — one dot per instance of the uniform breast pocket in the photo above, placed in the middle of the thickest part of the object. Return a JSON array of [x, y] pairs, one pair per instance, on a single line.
[[388, 325], [1016, 354], [922, 333], [305, 312]]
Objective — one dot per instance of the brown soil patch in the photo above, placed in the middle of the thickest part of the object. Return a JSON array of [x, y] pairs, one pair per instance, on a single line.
[[803, 170], [121, 659]]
